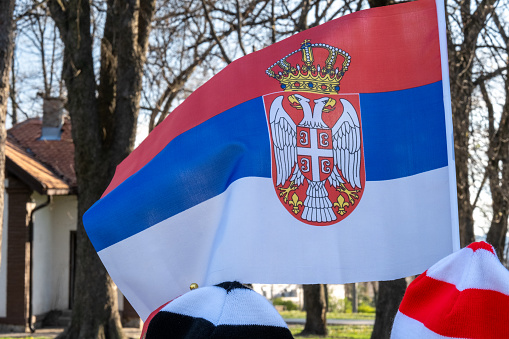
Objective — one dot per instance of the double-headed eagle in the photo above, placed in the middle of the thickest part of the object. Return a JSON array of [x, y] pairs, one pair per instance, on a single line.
[[346, 151]]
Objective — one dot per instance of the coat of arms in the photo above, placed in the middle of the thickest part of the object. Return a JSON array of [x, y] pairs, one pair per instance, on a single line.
[[317, 155]]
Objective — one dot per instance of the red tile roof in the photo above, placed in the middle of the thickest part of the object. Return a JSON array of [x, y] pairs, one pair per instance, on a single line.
[[50, 162]]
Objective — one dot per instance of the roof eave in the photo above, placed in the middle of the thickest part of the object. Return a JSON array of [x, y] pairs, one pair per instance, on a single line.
[[33, 183]]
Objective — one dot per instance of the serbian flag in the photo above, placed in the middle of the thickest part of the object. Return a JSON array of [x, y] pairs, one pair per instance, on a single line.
[[324, 158]]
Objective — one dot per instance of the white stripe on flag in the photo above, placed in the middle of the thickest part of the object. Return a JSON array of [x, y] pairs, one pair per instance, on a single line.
[[446, 86], [415, 217]]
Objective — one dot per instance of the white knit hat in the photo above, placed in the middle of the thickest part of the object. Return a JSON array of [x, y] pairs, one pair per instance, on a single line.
[[228, 310], [465, 295]]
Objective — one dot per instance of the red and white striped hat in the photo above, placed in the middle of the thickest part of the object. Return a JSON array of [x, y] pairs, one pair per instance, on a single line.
[[465, 295]]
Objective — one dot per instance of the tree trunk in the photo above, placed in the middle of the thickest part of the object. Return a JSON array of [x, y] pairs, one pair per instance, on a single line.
[[461, 63], [104, 129], [461, 93], [12, 94], [95, 309], [498, 171], [6, 50], [390, 294], [354, 298], [498, 228], [316, 308]]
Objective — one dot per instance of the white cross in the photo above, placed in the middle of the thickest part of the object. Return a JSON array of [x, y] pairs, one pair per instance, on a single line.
[[314, 152]]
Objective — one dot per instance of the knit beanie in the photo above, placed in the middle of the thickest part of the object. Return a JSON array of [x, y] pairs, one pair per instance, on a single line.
[[227, 310], [465, 295]]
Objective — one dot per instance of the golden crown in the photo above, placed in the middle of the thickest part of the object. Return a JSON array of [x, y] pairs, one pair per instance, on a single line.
[[309, 78]]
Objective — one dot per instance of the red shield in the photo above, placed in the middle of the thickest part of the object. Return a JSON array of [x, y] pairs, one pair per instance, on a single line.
[[314, 152], [307, 174]]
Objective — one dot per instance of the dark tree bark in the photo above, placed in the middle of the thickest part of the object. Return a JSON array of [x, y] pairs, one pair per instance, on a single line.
[[12, 90], [498, 171], [390, 294], [6, 50], [351, 295], [104, 129], [355, 304], [461, 63], [316, 310], [380, 3]]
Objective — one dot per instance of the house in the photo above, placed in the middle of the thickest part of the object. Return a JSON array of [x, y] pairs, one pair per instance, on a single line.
[[40, 219]]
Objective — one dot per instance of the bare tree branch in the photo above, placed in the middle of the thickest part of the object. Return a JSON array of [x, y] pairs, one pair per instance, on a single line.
[[213, 32]]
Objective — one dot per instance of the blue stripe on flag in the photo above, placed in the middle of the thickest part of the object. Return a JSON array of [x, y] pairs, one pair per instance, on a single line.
[[194, 167], [403, 132], [403, 135]]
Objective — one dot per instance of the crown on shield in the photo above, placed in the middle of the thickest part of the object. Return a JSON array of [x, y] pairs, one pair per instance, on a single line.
[[308, 77]]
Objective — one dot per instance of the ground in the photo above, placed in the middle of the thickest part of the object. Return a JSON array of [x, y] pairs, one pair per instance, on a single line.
[[359, 326]]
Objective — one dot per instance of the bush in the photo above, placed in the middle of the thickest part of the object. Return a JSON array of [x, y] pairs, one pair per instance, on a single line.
[[347, 305], [340, 305], [288, 304], [364, 308]]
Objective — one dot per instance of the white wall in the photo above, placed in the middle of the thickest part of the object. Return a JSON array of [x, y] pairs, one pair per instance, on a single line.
[[52, 227], [51, 246], [3, 262], [65, 220], [42, 244]]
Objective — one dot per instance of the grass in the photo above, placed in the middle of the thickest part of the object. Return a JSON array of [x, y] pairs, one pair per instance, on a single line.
[[335, 331], [330, 315], [338, 332]]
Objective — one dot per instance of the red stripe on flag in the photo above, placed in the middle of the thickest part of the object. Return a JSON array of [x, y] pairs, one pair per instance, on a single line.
[[471, 313], [481, 245], [392, 48], [149, 318]]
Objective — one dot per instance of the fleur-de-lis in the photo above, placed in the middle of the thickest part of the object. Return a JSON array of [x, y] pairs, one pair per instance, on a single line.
[[285, 191], [295, 202], [341, 204]]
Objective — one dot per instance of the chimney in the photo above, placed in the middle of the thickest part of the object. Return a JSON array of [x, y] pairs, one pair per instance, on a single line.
[[52, 118]]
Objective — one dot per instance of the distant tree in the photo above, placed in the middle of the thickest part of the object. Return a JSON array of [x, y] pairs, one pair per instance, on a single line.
[[180, 44], [390, 294], [464, 28], [352, 295], [316, 310], [104, 114], [498, 171], [493, 83], [6, 51], [12, 89], [35, 37]]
